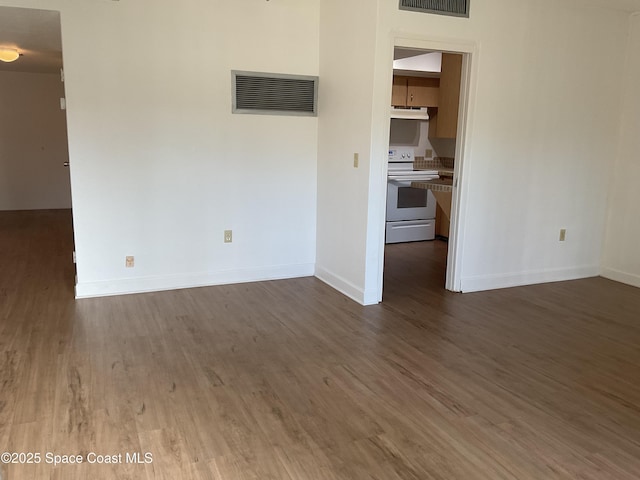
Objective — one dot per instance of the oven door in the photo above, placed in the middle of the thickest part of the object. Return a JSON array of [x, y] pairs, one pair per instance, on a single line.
[[406, 203]]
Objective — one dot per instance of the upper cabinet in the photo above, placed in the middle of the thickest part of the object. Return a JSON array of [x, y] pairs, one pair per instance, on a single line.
[[415, 92], [443, 121]]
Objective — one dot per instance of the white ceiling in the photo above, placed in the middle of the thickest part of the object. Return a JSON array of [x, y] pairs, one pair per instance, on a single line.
[[36, 34], [418, 61]]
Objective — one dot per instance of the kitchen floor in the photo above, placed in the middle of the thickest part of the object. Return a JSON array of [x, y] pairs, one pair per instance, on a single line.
[[414, 269], [290, 380]]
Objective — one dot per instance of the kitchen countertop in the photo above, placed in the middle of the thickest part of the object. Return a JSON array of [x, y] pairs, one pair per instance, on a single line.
[[443, 165], [438, 185], [445, 172]]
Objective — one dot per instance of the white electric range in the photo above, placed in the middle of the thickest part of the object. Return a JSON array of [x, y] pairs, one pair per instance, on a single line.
[[411, 212]]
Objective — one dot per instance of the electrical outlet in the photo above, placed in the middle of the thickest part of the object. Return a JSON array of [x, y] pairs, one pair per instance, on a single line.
[[129, 262], [356, 160], [563, 235], [228, 236], [428, 153]]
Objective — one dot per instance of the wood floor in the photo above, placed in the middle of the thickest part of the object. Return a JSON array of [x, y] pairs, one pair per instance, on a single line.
[[289, 380]]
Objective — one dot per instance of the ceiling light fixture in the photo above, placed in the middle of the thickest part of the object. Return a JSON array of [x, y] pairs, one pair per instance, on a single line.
[[9, 54]]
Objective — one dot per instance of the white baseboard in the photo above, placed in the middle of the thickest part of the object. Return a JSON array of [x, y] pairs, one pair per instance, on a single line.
[[371, 297], [622, 277], [345, 287], [192, 280], [493, 282]]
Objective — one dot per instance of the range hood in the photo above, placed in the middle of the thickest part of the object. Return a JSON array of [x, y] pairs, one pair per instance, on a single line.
[[410, 113]]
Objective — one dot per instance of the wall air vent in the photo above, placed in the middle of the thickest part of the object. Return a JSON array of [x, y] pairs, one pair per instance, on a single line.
[[274, 94], [456, 8]]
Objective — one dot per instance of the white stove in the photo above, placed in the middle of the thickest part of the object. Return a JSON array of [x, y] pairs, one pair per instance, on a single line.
[[411, 212]]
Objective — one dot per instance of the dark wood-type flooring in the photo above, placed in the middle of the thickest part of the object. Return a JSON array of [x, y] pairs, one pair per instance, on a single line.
[[290, 380]]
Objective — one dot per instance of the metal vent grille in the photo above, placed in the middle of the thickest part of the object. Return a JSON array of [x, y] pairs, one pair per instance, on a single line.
[[457, 8], [274, 94]]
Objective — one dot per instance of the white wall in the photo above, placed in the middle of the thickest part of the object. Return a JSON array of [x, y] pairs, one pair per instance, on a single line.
[[542, 129], [541, 134], [415, 133], [33, 143], [159, 165], [347, 36], [621, 260]]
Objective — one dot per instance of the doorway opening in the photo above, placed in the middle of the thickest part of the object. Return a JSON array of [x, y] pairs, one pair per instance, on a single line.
[[35, 185], [428, 94]]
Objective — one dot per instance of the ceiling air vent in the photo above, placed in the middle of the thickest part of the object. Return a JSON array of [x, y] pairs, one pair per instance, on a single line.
[[274, 94], [457, 8]]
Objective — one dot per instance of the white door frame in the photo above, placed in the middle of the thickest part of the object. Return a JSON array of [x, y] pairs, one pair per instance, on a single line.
[[470, 52]]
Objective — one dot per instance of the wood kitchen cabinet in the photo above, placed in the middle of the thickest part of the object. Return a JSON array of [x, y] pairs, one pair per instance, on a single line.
[[443, 213], [442, 223], [415, 91], [443, 121]]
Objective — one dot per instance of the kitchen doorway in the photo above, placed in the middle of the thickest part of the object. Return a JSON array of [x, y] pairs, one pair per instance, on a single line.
[[35, 184], [428, 112]]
